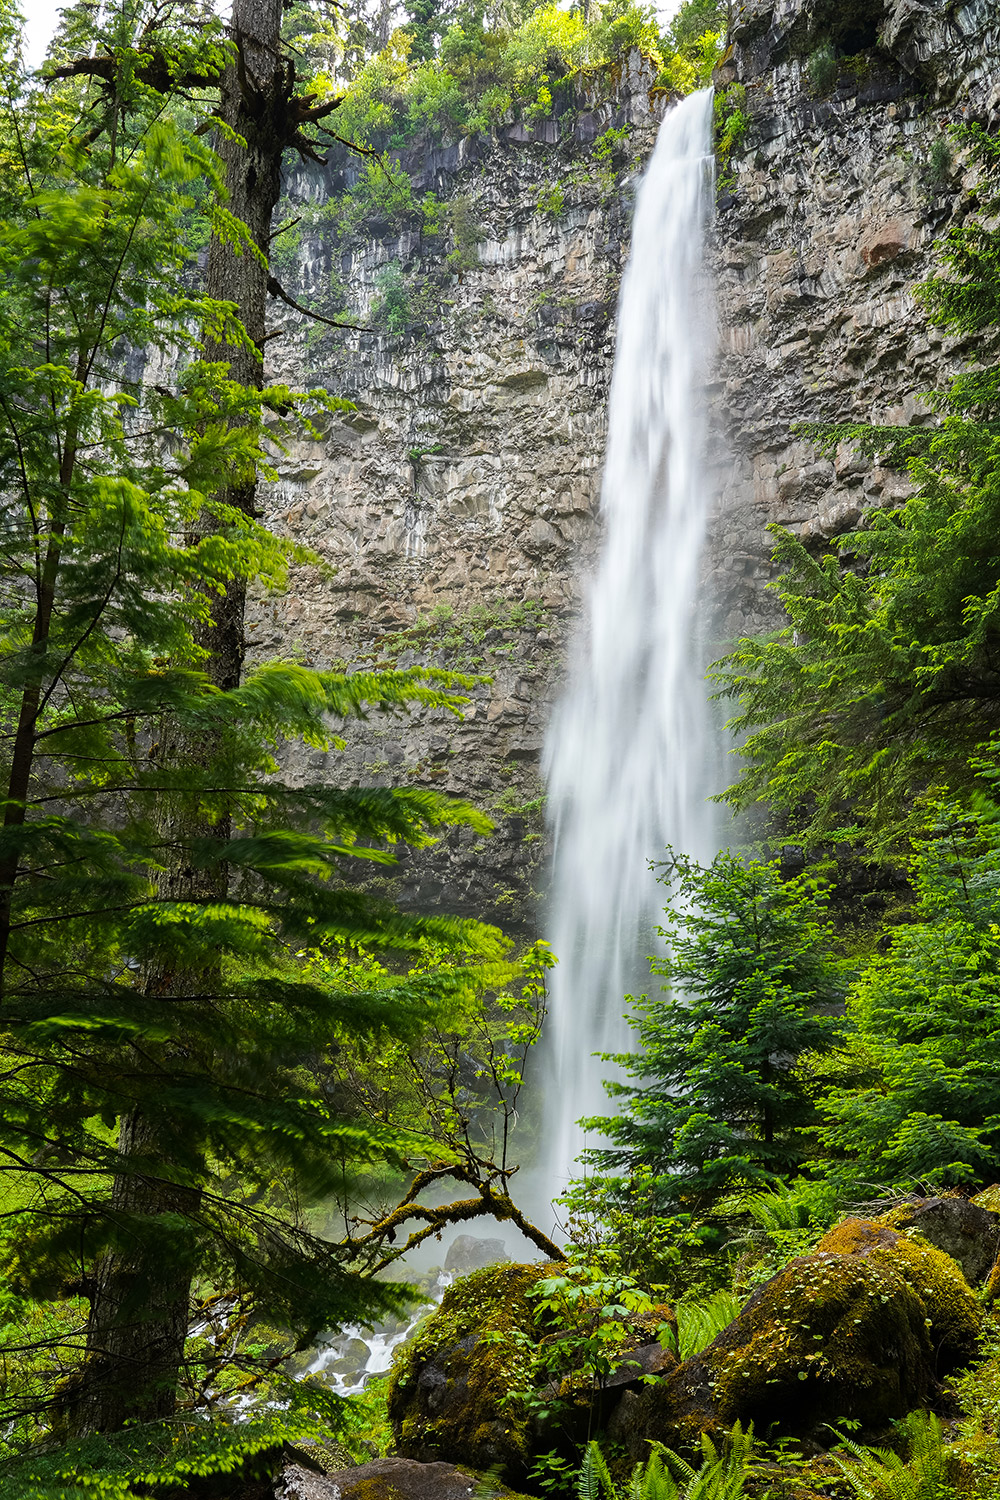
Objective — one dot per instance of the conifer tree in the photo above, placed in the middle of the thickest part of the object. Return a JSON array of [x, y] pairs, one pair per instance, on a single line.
[[721, 1098], [173, 1013], [924, 1108]]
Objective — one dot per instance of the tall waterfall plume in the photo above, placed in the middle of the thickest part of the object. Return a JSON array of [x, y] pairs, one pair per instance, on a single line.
[[629, 753]]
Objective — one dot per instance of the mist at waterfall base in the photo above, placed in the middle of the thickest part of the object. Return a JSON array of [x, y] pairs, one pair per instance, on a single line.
[[630, 757]]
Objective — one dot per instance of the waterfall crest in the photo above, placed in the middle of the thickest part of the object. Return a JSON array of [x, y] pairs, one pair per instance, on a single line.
[[629, 752]]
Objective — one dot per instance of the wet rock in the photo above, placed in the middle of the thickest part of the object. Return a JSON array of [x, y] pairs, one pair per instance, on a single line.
[[387, 1479], [953, 1314], [468, 1252]]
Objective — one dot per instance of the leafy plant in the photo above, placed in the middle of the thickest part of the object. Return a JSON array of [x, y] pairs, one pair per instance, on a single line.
[[391, 307], [552, 201], [822, 70], [926, 1473], [583, 1317]]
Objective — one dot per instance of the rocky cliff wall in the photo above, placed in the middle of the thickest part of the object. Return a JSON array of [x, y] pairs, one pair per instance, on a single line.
[[456, 507], [829, 221]]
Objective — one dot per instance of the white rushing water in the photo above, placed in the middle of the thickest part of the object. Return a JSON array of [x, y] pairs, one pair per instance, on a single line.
[[629, 755]]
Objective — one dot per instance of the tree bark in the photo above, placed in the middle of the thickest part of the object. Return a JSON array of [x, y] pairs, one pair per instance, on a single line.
[[139, 1304], [256, 89], [139, 1310]]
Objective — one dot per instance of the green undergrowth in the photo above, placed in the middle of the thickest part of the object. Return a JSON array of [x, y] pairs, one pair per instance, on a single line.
[[468, 639], [477, 78]]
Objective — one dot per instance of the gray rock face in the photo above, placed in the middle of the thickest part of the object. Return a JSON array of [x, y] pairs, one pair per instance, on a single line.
[[470, 1252], [969, 1234], [828, 227], [386, 1479], [456, 507]]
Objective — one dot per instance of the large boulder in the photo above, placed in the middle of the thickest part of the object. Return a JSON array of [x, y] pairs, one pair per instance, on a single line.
[[451, 1389], [954, 1316], [863, 1328], [454, 1391], [968, 1232], [387, 1479]]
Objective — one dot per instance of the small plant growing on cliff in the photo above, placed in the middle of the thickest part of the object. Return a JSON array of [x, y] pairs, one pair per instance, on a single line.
[[940, 162], [730, 121], [822, 70], [466, 234], [552, 202], [392, 306]]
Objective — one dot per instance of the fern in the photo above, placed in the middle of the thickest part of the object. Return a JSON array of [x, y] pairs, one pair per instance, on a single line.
[[880, 1474], [595, 1482], [698, 1323], [721, 1475]]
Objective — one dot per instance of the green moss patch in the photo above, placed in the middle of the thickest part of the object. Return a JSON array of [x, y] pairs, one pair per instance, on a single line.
[[451, 1395]]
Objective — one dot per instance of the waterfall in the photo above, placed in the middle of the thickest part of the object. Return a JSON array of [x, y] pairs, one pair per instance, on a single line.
[[629, 753]]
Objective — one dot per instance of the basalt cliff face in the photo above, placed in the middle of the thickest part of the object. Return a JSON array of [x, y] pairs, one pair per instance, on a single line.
[[455, 508]]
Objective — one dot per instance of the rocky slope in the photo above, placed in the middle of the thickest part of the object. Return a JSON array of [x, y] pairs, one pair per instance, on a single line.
[[455, 507]]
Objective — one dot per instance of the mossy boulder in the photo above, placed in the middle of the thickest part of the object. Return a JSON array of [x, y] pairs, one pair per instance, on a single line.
[[952, 1309], [969, 1232], [863, 1328], [452, 1393], [470, 1388]]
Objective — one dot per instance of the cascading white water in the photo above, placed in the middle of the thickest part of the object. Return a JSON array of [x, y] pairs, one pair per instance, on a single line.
[[629, 750]]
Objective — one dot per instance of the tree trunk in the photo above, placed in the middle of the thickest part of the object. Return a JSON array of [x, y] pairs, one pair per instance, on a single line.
[[139, 1304], [255, 94], [139, 1311]]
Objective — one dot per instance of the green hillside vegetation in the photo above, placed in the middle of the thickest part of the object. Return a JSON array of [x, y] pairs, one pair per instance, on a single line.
[[481, 77]]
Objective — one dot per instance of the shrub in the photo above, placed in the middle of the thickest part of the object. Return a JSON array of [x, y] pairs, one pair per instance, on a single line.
[[822, 70], [552, 202], [392, 307], [940, 161]]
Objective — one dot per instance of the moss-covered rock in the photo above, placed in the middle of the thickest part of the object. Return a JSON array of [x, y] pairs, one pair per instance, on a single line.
[[452, 1391], [953, 1313], [863, 1328], [471, 1388]]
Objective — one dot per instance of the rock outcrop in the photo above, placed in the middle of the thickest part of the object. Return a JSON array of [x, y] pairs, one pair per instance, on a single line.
[[864, 1328], [387, 1479], [456, 506]]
